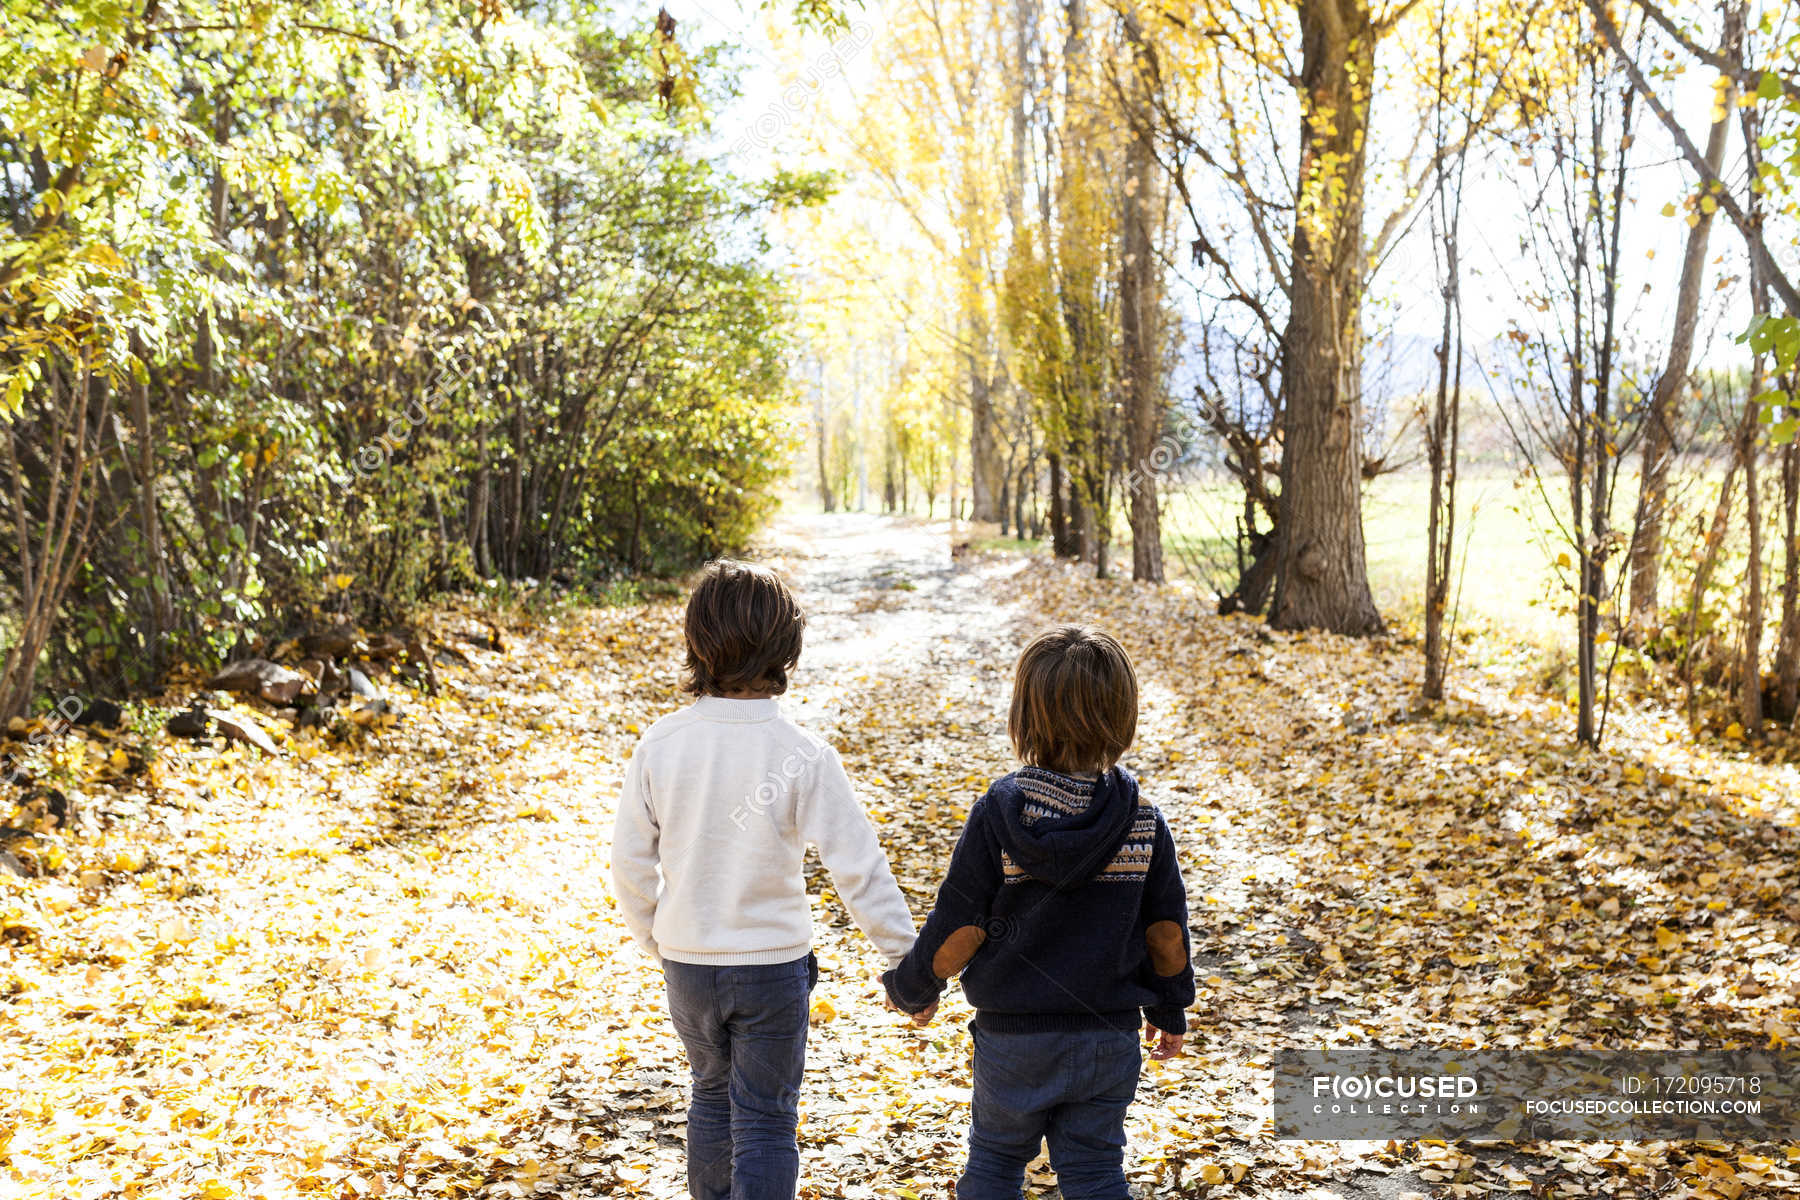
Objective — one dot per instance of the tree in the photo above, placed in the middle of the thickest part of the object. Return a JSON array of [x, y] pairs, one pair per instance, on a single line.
[[1007, 155], [1444, 426], [1321, 572], [416, 303], [53, 454], [1282, 270], [1771, 84], [933, 137], [1140, 304], [1645, 559], [1576, 155]]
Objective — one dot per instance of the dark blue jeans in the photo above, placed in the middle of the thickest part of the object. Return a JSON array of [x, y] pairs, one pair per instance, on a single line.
[[1069, 1088], [745, 1033]]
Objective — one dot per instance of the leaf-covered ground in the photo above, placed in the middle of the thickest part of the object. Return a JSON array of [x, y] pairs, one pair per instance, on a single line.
[[389, 966]]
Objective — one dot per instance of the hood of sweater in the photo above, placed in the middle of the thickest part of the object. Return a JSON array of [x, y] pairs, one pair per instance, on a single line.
[[1064, 850]]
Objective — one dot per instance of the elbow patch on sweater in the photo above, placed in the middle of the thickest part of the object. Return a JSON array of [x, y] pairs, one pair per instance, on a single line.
[[957, 950], [1167, 957]]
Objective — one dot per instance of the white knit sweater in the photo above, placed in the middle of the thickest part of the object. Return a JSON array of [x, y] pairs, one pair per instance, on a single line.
[[721, 798]]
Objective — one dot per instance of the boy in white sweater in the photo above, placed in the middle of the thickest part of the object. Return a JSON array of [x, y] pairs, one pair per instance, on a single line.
[[721, 799]]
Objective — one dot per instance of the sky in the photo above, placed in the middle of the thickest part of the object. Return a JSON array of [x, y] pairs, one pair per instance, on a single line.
[[765, 125]]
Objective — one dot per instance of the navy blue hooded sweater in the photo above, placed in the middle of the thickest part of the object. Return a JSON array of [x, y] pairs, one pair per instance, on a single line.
[[1065, 900]]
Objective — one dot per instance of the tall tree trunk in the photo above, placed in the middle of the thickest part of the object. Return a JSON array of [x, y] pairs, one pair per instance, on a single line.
[[156, 568], [1139, 312], [1062, 541], [1081, 521], [1072, 278], [1023, 84], [515, 514], [1787, 645], [987, 475], [53, 527], [634, 547], [1097, 506], [1750, 671], [478, 525], [1020, 492], [1709, 554], [954, 498], [986, 478], [1442, 445], [1444, 431], [1665, 399], [1321, 578], [827, 497], [1600, 433]]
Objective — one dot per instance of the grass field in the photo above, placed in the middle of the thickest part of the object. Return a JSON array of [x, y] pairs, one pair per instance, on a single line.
[[1507, 544]]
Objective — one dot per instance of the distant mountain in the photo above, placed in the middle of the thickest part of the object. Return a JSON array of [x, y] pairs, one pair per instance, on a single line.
[[1400, 371]]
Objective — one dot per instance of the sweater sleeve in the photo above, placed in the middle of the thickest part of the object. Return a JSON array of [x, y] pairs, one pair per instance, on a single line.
[[958, 922], [634, 855], [830, 818], [1165, 924]]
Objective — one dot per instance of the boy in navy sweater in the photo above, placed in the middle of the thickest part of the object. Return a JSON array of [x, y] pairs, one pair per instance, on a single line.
[[1065, 913]]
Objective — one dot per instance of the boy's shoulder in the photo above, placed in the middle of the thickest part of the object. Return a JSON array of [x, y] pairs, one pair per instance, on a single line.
[[780, 729], [787, 727], [1029, 778], [1020, 787], [665, 725]]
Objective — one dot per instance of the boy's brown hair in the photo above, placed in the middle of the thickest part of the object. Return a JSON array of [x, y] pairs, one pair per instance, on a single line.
[[743, 630], [1074, 701]]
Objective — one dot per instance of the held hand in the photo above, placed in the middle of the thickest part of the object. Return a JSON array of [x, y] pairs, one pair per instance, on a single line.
[[923, 1017], [1163, 1044], [920, 1018]]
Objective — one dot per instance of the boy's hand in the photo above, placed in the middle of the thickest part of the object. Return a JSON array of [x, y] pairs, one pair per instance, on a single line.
[[1163, 1044], [920, 1018]]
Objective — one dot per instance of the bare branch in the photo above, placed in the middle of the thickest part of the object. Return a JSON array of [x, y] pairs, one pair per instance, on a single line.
[[1748, 78], [1783, 286]]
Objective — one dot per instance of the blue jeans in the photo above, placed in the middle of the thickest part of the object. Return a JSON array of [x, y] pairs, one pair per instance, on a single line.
[[745, 1033], [1070, 1088]]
